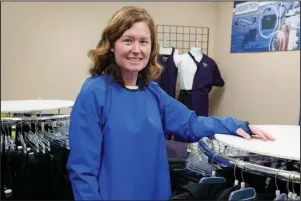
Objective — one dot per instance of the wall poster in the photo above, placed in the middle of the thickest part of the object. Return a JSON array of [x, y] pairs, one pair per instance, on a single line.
[[263, 26]]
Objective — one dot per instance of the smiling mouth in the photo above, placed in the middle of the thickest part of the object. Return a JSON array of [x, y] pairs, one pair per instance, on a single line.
[[135, 59]]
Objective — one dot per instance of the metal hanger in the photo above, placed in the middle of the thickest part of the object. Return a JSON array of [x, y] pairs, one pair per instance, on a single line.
[[197, 42], [243, 193], [59, 134], [236, 181], [281, 196], [29, 138], [294, 196], [278, 192], [10, 139], [289, 193]]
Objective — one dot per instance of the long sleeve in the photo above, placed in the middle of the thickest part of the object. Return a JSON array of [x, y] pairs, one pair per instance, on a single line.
[[85, 138], [184, 123]]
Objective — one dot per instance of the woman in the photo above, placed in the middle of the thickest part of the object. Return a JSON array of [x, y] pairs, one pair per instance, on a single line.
[[117, 125]]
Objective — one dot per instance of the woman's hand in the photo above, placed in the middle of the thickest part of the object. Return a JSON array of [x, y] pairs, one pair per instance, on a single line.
[[256, 132]]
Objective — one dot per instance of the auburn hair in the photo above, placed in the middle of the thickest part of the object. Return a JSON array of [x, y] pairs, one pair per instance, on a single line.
[[102, 56]]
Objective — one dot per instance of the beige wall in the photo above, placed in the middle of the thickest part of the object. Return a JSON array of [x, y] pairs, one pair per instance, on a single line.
[[44, 44], [263, 88]]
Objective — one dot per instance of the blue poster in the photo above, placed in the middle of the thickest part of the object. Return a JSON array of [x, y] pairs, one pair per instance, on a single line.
[[265, 26]]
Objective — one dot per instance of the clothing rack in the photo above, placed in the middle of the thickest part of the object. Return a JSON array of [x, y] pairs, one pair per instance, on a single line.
[[38, 118], [253, 168], [34, 150]]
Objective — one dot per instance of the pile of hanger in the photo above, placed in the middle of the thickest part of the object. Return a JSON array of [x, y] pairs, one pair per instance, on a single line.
[[199, 164], [33, 135], [33, 160]]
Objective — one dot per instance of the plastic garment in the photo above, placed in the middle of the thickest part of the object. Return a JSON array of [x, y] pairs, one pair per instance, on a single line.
[[126, 159]]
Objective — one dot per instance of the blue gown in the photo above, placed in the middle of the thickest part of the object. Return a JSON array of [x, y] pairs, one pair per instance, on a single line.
[[117, 142]]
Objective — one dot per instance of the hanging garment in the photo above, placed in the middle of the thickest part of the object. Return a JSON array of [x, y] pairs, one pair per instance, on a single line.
[[180, 176], [168, 78], [215, 191], [30, 172], [200, 191], [206, 76], [117, 144]]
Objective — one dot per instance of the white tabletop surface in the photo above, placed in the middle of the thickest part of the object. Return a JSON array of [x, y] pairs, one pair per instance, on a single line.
[[20, 106], [286, 145]]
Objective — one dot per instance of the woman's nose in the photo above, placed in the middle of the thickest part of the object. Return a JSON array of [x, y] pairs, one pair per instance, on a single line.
[[136, 47]]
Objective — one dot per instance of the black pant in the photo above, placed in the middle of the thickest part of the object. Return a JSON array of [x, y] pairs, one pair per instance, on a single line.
[[179, 176], [38, 176], [186, 98]]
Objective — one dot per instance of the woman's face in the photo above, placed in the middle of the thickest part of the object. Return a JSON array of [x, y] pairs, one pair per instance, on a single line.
[[132, 50]]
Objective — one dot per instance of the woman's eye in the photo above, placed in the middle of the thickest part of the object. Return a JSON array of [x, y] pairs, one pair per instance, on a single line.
[[127, 40]]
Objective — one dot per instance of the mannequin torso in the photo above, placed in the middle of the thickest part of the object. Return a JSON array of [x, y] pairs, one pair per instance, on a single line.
[[197, 53], [187, 67]]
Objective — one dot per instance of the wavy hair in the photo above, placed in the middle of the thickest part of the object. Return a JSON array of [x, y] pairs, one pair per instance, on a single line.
[[103, 58]]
